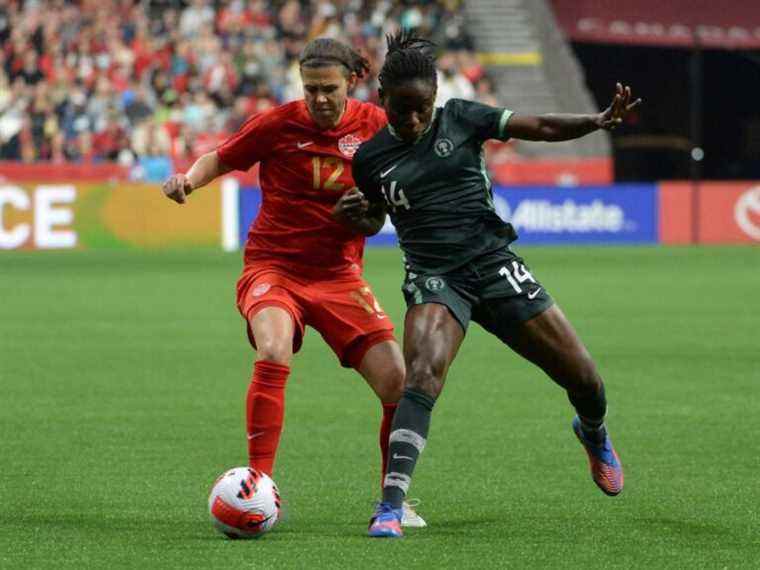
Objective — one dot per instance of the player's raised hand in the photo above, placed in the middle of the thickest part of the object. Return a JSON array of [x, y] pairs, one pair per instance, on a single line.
[[177, 188], [351, 206], [619, 108]]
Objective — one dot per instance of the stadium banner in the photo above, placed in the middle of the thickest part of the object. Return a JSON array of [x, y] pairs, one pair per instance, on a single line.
[[620, 214], [84, 215], [711, 212], [731, 24]]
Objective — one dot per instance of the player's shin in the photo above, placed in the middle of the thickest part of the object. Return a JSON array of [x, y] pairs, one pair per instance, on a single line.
[[407, 440], [265, 407], [591, 408], [385, 431]]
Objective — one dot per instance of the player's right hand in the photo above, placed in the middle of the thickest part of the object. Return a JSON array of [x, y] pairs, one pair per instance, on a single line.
[[177, 188], [618, 110], [351, 206]]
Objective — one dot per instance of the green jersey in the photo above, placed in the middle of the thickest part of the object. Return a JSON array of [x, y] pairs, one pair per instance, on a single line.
[[437, 190]]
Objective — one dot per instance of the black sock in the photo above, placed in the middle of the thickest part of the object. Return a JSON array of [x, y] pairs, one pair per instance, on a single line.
[[408, 437], [591, 408]]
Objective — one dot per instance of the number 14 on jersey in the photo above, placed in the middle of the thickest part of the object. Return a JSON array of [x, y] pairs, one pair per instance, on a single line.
[[518, 275], [394, 196]]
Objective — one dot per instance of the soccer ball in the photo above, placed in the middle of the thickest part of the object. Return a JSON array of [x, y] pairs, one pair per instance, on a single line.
[[244, 503]]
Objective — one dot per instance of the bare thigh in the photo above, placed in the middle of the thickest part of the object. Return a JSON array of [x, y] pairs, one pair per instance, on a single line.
[[549, 341]]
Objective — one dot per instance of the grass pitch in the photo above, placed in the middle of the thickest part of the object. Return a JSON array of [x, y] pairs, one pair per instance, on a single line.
[[122, 382]]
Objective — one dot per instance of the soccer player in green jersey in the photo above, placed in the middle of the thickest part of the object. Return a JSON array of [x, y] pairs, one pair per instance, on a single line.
[[426, 169]]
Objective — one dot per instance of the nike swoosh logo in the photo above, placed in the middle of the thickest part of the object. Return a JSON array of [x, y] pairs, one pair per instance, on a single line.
[[532, 294], [397, 456], [255, 435], [387, 172], [304, 144]]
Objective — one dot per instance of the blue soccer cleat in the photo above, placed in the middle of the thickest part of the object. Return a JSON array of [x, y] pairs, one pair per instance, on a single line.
[[386, 522], [606, 469]]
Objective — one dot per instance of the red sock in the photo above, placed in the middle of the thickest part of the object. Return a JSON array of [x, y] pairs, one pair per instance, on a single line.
[[264, 411], [385, 432]]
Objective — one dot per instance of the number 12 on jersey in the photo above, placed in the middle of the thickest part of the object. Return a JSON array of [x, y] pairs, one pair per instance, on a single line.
[[367, 301], [331, 183]]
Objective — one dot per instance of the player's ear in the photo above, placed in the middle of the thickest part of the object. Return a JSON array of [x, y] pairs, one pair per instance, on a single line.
[[353, 79]]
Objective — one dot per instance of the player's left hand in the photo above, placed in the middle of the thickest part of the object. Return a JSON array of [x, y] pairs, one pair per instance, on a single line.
[[351, 207], [619, 108]]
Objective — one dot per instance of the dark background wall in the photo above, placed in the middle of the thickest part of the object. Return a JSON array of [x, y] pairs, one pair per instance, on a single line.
[[657, 144]]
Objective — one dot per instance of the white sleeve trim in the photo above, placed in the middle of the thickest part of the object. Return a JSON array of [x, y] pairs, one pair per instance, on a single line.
[[503, 122]]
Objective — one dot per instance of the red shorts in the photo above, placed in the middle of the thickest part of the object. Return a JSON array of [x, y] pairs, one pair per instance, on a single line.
[[344, 312]]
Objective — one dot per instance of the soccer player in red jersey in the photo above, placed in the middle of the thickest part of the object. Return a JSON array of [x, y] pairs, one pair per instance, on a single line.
[[302, 267]]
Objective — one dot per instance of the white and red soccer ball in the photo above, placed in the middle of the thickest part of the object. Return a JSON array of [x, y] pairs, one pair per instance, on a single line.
[[244, 503]]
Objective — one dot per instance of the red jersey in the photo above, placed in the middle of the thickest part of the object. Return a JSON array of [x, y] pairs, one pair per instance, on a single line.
[[303, 172]]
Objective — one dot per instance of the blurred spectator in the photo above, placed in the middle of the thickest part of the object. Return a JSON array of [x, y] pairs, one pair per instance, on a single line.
[[137, 105], [196, 17], [136, 82], [152, 143], [452, 84], [111, 141]]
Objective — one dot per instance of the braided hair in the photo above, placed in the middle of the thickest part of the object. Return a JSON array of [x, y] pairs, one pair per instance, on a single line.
[[409, 59], [324, 52]]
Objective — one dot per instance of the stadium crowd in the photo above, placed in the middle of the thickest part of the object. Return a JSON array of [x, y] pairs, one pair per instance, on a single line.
[[144, 83]]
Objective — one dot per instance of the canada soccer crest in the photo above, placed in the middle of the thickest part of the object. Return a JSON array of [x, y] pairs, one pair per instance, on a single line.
[[349, 144], [260, 289]]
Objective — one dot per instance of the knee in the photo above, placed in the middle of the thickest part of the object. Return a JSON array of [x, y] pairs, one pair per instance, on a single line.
[[392, 386], [426, 377], [274, 350]]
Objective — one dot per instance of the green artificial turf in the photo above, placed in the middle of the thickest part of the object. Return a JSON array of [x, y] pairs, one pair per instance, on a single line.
[[123, 376]]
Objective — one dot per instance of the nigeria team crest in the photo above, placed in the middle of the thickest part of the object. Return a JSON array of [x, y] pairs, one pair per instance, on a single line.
[[349, 144], [443, 147], [434, 284]]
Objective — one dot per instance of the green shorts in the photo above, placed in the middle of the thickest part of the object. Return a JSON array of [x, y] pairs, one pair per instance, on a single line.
[[496, 290]]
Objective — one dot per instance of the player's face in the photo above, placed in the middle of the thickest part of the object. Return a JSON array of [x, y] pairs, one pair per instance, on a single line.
[[325, 90], [409, 107]]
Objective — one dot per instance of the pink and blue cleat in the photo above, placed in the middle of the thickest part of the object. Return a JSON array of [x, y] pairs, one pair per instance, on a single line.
[[386, 522], [606, 469]]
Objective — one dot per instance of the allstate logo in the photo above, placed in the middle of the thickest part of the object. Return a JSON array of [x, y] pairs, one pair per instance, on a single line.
[[435, 284], [747, 212], [444, 147]]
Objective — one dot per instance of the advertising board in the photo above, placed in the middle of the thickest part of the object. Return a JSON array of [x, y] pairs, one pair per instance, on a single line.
[[91, 215]]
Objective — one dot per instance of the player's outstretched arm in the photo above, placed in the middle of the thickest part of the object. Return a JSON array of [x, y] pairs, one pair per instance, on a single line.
[[179, 186], [354, 210], [563, 127]]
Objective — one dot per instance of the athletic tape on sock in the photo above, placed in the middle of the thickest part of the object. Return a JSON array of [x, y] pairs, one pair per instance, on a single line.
[[400, 480], [408, 436]]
